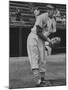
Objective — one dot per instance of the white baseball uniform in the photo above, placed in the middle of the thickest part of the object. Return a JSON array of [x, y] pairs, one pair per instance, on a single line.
[[35, 45]]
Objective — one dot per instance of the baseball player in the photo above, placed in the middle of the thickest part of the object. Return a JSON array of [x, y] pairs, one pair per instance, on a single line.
[[43, 27], [47, 47]]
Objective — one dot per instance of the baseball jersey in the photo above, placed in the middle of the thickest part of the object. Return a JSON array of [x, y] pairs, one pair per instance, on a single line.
[[43, 20]]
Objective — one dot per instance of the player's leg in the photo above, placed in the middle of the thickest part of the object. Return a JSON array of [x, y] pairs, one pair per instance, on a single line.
[[49, 50], [43, 65], [33, 54], [42, 62]]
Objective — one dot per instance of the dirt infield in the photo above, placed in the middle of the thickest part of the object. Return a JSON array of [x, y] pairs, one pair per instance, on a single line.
[[20, 75]]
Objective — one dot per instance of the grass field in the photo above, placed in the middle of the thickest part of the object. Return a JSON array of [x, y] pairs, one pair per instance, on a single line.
[[20, 75]]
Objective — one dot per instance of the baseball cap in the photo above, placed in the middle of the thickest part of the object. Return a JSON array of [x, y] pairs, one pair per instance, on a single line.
[[49, 6]]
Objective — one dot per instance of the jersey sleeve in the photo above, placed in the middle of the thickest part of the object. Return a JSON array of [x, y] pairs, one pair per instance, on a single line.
[[41, 20], [38, 21]]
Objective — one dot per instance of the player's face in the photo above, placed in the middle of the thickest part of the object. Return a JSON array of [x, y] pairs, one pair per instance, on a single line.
[[37, 12], [51, 12]]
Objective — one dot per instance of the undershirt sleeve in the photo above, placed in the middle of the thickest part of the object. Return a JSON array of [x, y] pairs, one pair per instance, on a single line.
[[54, 26]]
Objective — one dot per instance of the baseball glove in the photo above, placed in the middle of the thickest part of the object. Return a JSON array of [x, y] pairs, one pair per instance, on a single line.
[[55, 41]]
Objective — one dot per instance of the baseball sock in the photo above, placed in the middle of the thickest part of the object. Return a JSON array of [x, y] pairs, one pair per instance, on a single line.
[[37, 76], [42, 76]]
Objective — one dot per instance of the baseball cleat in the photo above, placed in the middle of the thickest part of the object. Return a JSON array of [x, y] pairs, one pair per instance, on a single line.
[[44, 83]]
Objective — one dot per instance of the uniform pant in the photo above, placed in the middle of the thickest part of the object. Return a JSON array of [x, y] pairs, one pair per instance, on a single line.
[[36, 52]]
